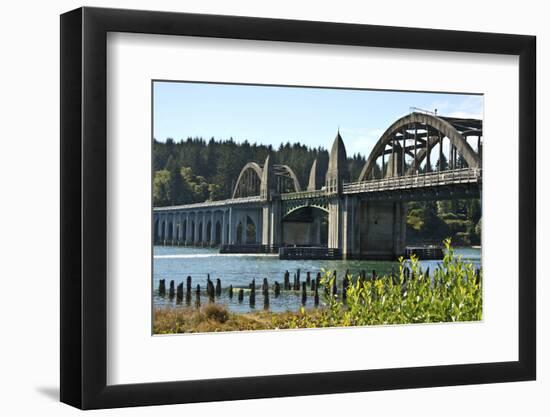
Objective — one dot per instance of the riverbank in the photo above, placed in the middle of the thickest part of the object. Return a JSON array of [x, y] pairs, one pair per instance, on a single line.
[[216, 318]]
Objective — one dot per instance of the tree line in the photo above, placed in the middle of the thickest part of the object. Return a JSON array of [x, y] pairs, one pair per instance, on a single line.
[[196, 170]]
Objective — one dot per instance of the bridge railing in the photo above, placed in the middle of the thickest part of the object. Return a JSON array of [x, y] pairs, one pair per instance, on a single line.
[[214, 203], [429, 179], [303, 194]]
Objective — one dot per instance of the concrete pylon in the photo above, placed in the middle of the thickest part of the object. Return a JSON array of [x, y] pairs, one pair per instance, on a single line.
[[338, 171], [313, 183], [267, 185], [271, 211]]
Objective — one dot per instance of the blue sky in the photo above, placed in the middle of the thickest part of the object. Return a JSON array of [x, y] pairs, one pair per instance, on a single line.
[[271, 115]]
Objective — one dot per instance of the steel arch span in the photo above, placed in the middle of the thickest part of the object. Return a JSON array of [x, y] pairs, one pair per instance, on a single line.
[[433, 130], [253, 177]]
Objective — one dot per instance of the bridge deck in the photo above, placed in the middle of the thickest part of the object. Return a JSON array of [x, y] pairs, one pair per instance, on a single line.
[[408, 182], [430, 179]]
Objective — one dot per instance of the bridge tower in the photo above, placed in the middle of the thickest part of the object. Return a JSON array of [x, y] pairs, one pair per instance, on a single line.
[[340, 207], [271, 208]]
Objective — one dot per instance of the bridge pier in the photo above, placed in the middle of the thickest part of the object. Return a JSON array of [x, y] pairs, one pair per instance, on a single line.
[[382, 229]]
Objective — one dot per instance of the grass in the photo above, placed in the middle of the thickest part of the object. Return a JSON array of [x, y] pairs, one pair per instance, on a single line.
[[452, 293], [169, 320]]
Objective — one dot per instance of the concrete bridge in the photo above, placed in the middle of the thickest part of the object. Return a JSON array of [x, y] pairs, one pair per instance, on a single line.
[[365, 218]]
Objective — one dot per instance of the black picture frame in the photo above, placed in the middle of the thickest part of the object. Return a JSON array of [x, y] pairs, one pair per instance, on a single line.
[[84, 207]]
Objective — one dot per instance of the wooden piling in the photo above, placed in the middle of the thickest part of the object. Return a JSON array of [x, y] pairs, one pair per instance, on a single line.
[[188, 298], [162, 287], [286, 282], [218, 287], [308, 278], [189, 283], [252, 298], [179, 292], [304, 293], [231, 291], [266, 298], [209, 288], [241, 295], [198, 296], [172, 290], [277, 289]]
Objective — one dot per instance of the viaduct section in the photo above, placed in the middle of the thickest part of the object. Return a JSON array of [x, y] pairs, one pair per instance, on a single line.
[[365, 218]]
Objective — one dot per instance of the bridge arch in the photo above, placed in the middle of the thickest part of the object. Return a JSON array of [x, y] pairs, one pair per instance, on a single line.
[[290, 185], [456, 130], [290, 208], [249, 181]]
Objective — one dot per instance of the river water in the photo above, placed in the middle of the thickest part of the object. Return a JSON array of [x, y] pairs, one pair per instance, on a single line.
[[176, 263]]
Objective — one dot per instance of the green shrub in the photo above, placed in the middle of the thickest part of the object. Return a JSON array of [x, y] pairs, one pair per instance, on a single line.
[[453, 293]]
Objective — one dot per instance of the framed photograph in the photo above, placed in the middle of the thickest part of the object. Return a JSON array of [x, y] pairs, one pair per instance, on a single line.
[[257, 208]]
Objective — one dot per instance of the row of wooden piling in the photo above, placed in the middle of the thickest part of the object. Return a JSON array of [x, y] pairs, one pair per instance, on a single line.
[[215, 290]]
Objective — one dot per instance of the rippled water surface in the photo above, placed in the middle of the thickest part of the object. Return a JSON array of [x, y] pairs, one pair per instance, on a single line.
[[176, 263]]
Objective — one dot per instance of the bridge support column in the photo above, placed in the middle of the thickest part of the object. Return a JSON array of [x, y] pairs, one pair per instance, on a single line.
[[188, 230], [335, 223], [271, 223], [382, 227], [197, 222], [350, 225], [180, 228], [212, 228], [166, 228], [204, 237], [224, 228], [232, 227]]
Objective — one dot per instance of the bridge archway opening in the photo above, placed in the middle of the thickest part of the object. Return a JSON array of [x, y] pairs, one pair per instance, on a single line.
[[208, 231], [156, 231], [170, 234], [200, 233], [192, 231], [184, 230], [305, 226], [239, 237], [246, 231]]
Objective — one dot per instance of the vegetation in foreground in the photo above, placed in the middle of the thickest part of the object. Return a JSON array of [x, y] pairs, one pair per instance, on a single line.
[[453, 293]]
